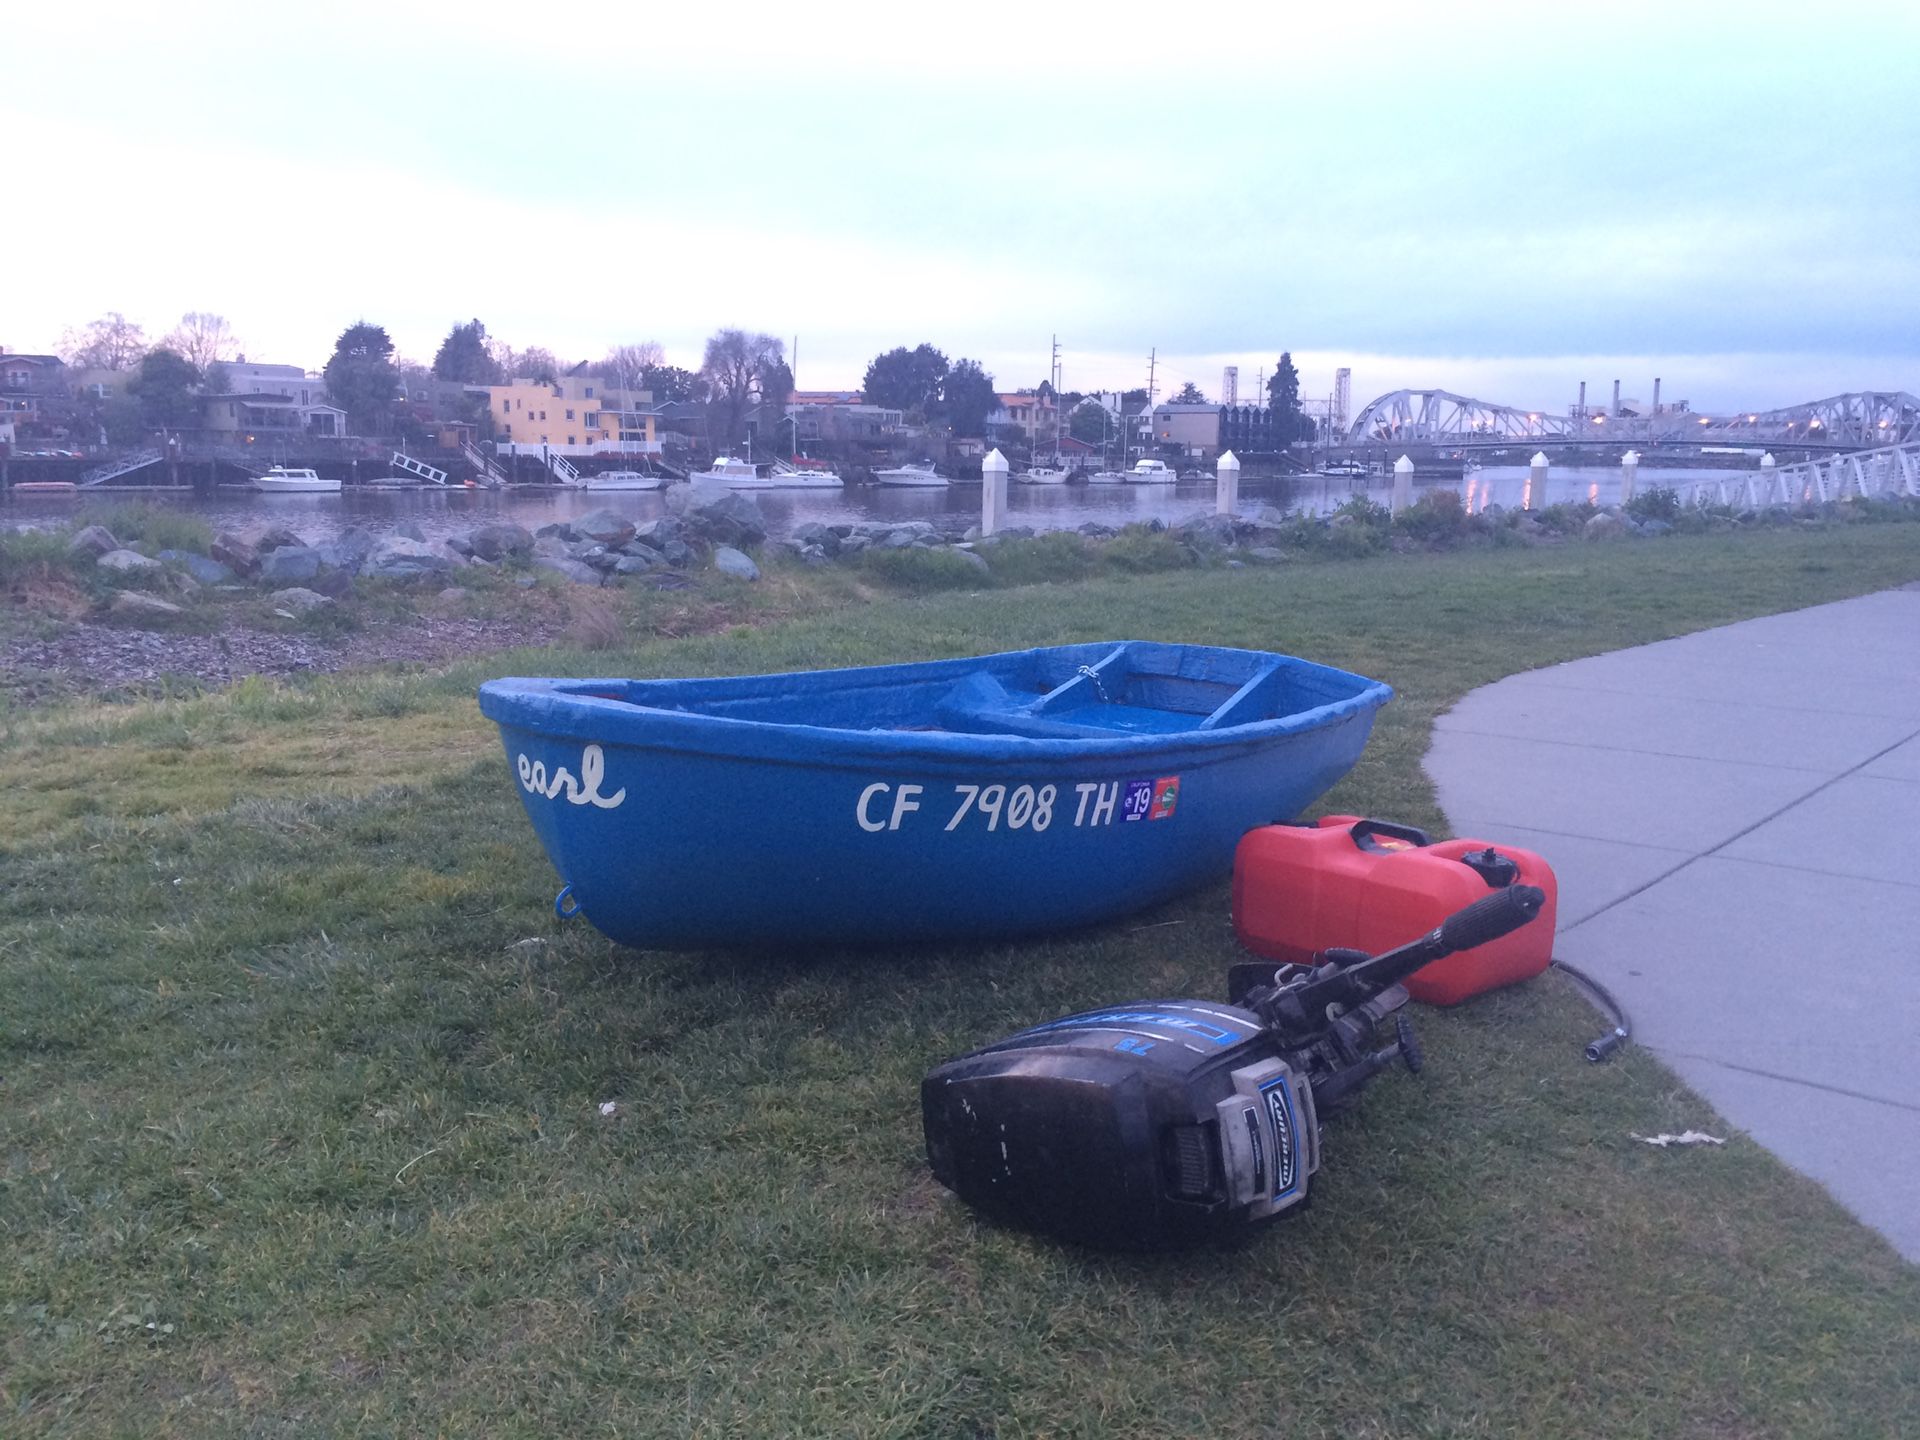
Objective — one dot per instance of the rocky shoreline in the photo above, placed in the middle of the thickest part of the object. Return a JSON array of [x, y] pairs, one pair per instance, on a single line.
[[162, 622]]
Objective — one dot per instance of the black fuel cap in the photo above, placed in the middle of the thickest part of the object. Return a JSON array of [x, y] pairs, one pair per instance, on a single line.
[[1499, 871]]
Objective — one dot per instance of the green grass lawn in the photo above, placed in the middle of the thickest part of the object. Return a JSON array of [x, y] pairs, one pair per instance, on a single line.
[[300, 1087]]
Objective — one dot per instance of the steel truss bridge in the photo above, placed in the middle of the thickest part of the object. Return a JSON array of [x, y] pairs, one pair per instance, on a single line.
[[1867, 419]]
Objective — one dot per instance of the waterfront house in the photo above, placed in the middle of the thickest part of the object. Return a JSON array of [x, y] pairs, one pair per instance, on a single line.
[[1034, 414], [34, 396], [575, 414], [1193, 430]]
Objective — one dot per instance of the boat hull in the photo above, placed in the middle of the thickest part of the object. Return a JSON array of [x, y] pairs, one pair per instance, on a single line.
[[297, 487], [743, 825]]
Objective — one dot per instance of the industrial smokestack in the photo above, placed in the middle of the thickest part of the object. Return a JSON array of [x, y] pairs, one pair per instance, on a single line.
[[1656, 394], [1616, 399], [1583, 397]]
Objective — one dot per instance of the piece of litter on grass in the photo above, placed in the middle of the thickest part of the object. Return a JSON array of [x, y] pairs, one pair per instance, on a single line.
[[1685, 1137], [530, 941], [609, 1107]]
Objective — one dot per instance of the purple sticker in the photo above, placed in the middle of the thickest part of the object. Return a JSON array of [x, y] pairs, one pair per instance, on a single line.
[[1138, 800]]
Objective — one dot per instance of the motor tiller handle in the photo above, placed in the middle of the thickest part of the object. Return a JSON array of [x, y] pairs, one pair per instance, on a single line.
[[1498, 914]]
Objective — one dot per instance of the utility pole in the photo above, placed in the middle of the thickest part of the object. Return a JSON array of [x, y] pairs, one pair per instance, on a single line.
[[1150, 369], [1053, 374]]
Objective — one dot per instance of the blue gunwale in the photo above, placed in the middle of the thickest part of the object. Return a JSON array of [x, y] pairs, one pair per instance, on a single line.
[[615, 711]]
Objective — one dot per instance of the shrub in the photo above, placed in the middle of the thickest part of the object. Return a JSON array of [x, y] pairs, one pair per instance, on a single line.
[[1436, 516], [1566, 518], [161, 527], [595, 624], [1138, 550], [1055, 555], [1657, 502], [30, 557], [910, 569]]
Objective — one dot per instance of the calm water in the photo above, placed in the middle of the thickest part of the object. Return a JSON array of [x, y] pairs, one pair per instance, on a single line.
[[441, 513]]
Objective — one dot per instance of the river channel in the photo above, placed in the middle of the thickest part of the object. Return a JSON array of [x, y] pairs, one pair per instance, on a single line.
[[441, 513]]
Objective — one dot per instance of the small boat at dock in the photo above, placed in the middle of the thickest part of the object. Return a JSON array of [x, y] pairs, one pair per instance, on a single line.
[[1150, 472], [282, 481], [922, 475], [624, 480], [1018, 793]]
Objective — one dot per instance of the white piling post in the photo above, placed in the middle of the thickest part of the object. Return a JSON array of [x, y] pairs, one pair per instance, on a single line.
[[1536, 497], [1629, 472], [1227, 486], [1768, 465], [1402, 484], [993, 492]]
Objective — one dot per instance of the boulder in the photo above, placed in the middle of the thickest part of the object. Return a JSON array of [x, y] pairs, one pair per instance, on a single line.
[[815, 534], [606, 527], [299, 600], [289, 565], [639, 550], [410, 530], [729, 561], [336, 583], [716, 514], [574, 570], [275, 537], [132, 602], [1267, 555], [630, 565], [335, 556], [126, 562], [93, 542], [1604, 526], [401, 557], [200, 567], [979, 562], [236, 554], [550, 547], [1211, 532], [496, 542], [1655, 527]]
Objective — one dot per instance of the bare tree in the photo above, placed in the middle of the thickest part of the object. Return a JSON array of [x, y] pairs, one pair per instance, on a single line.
[[737, 369], [536, 362], [203, 338], [626, 365], [112, 342]]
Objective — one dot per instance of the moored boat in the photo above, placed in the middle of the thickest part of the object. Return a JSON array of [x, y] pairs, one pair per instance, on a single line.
[[1107, 477], [1150, 472], [922, 474], [734, 473], [624, 480], [1009, 794], [1042, 475], [281, 481], [786, 476]]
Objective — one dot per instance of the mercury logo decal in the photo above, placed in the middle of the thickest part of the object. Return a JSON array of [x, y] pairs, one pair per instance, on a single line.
[[1283, 1147]]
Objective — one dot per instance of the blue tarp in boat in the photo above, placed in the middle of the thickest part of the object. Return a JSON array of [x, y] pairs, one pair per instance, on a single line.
[[1009, 794]]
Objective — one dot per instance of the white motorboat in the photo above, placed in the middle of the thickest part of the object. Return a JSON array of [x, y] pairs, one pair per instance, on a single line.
[[1042, 475], [735, 474], [1151, 472], [793, 477], [921, 475], [1106, 477], [1355, 468], [282, 481], [624, 480]]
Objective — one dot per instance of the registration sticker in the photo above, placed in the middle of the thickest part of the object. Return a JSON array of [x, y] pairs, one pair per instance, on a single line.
[[1166, 795], [1138, 801]]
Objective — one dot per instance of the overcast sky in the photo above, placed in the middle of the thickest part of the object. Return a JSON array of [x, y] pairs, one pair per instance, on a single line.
[[1501, 200]]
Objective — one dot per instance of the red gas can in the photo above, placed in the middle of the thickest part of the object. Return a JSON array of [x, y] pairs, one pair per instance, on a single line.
[[1369, 885]]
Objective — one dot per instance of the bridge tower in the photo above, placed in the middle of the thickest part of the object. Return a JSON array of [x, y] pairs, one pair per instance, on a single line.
[[1342, 399], [1230, 385]]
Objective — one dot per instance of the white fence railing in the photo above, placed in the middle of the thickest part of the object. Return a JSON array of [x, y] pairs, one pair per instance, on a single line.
[[1864, 474]]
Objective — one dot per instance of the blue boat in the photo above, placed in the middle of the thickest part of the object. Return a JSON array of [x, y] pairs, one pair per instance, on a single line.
[[1011, 794]]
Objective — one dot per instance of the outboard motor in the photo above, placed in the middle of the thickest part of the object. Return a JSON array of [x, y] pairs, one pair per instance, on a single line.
[[1165, 1122]]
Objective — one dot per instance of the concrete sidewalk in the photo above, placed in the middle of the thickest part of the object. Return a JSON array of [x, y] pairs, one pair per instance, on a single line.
[[1734, 818]]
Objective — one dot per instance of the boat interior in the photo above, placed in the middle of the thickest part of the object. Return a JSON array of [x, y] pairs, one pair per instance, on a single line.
[[1081, 691]]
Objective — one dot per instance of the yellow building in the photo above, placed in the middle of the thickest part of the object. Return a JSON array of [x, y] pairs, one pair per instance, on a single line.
[[574, 415]]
